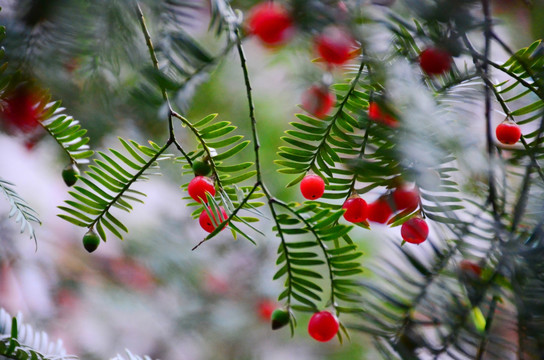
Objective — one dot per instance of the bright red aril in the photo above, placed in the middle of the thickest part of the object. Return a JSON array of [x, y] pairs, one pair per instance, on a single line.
[[470, 268], [435, 61], [271, 23], [356, 209], [265, 308], [405, 198], [312, 187], [334, 45], [323, 326], [508, 132], [207, 224], [318, 100], [21, 110], [375, 113], [199, 186], [414, 231], [379, 211]]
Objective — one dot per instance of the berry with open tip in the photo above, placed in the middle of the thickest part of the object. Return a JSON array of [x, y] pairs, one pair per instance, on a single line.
[[199, 186], [323, 326], [405, 198], [312, 187], [318, 100], [271, 23], [207, 224], [334, 45], [356, 209], [375, 113], [508, 132], [379, 211], [414, 231], [435, 61]]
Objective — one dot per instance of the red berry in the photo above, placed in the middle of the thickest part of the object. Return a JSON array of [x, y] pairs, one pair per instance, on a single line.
[[207, 224], [271, 23], [470, 268], [508, 132], [312, 187], [414, 231], [376, 114], [265, 309], [199, 186], [356, 210], [379, 211], [334, 45], [323, 326], [435, 61], [318, 101], [21, 110], [406, 198]]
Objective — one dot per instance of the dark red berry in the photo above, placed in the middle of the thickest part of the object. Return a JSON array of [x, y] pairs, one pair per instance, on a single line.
[[435, 61], [323, 326], [405, 198], [207, 224], [334, 45], [379, 211], [375, 113], [356, 210], [414, 231], [312, 187], [470, 268], [199, 186], [508, 132], [21, 110], [318, 100], [271, 23]]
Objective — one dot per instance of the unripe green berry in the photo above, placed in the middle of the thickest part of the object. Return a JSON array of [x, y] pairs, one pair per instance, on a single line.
[[91, 240], [279, 318], [201, 168], [70, 174]]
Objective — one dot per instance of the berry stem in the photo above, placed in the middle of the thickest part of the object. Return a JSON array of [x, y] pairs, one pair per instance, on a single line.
[[224, 223], [155, 61], [321, 245]]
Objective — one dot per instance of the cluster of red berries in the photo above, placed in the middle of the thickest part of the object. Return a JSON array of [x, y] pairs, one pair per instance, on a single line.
[[273, 25], [356, 209], [198, 188]]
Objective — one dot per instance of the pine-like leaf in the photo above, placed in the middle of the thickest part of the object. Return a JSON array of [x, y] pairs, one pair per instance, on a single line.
[[19, 341], [108, 184], [20, 209]]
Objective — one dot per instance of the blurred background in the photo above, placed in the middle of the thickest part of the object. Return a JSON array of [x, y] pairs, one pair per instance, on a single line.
[[150, 293]]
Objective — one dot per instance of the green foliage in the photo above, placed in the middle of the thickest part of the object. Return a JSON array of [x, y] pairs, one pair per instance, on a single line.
[[67, 132], [20, 209], [108, 184], [19, 341]]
